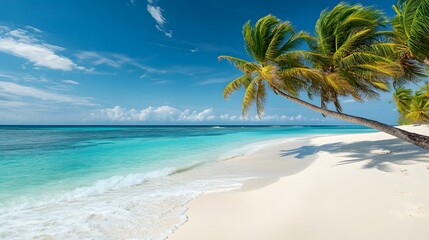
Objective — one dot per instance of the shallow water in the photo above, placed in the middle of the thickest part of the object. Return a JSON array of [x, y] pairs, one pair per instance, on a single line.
[[116, 182]]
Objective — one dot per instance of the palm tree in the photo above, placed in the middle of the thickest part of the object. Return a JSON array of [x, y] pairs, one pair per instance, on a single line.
[[419, 109], [424, 90], [403, 98], [412, 108], [411, 36], [411, 29], [347, 58], [264, 44]]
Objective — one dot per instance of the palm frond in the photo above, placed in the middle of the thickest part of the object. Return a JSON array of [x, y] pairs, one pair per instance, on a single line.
[[249, 97], [249, 41], [303, 73], [262, 35], [295, 40], [242, 65], [402, 98], [419, 110], [361, 57], [278, 36], [411, 24], [235, 84], [349, 44], [260, 98]]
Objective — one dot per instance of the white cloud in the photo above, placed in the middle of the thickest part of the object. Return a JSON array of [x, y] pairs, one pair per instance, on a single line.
[[163, 113], [159, 82], [234, 118], [206, 114], [267, 118], [156, 13], [13, 104], [34, 29], [9, 76], [22, 76], [213, 81], [117, 60], [20, 43], [13, 90], [224, 116], [98, 59], [114, 60], [171, 114], [71, 82]]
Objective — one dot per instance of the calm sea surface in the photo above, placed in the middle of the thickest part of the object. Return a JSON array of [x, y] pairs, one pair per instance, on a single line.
[[115, 182]]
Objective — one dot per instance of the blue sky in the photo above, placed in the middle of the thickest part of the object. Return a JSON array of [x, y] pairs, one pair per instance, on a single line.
[[143, 62]]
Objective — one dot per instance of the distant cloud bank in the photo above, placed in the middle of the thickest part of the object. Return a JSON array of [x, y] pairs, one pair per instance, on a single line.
[[163, 113], [171, 114]]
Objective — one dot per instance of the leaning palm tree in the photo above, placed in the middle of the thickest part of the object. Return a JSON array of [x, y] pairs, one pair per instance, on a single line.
[[265, 43], [347, 58]]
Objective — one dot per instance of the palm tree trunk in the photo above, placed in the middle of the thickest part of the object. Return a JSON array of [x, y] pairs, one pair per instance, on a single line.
[[414, 138]]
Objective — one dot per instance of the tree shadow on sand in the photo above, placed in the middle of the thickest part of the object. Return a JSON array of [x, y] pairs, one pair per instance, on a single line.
[[377, 154]]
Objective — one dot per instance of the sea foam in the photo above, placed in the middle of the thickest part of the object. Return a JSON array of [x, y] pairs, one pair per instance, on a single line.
[[134, 206]]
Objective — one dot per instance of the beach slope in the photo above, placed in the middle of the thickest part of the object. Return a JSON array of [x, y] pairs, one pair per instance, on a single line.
[[361, 186]]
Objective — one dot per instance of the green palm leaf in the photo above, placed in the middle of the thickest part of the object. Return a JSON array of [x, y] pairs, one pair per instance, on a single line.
[[233, 86], [353, 53], [260, 98], [268, 44], [243, 65], [411, 28], [419, 110], [403, 99], [249, 97]]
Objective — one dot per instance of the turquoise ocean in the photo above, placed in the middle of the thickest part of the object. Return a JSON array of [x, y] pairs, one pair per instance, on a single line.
[[118, 182]]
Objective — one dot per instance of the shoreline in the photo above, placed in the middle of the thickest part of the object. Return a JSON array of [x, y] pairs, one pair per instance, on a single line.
[[253, 168], [158, 204], [275, 207]]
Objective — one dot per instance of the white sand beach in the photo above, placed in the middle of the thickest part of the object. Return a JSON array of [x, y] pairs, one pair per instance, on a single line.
[[360, 186]]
